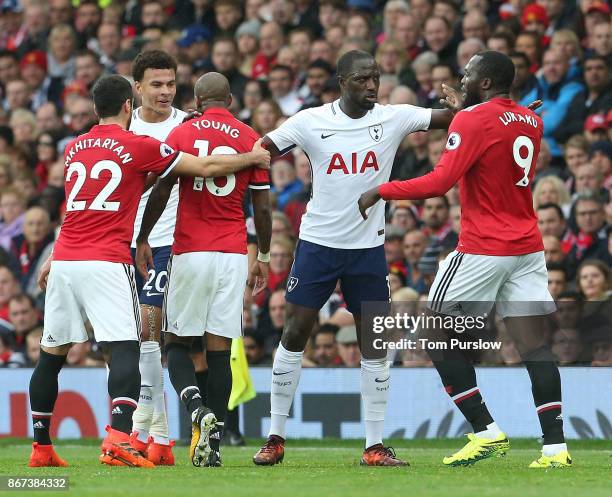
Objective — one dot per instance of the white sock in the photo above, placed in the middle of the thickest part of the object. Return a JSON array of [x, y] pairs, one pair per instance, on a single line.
[[553, 449], [159, 425], [492, 431], [285, 378], [150, 365], [375, 377]]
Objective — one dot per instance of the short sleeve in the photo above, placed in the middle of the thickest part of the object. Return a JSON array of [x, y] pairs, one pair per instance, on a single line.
[[260, 179], [291, 133], [465, 143], [157, 157], [411, 118]]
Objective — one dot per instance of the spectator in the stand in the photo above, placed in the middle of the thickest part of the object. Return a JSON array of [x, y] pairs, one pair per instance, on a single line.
[[24, 317], [595, 128], [591, 240], [393, 246], [589, 178], [23, 124], [255, 351], [9, 287], [62, 47], [529, 44], [552, 249], [567, 346], [87, 67], [325, 346], [414, 244], [109, 44], [194, 45], [524, 80], [567, 42], [10, 358], [475, 25], [228, 14], [557, 279], [550, 189], [48, 119], [271, 39], [281, 258], [408, 33], [348, 348], [46, 153], [403, 216], [593, 280], [601, 347], [18, 95], [32, 248], [317, 74], [436, 143], [556, 92], [225, 61], [35, 26], [503, 42], [600, 41], [438, 35], [596, 99], [270, 327], [280, 82], [421, 9], [254, 92], [422, 66], [600, 155], [576, 154], [551, 220], [9, 67], [33, 346], [266, 115], [79, 356], [12, 212], [81, 115], [285, 182], [466, 50]]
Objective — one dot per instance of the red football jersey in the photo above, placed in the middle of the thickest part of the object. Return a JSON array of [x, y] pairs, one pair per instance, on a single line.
[[106, 170], [492, 150], [210, 216]]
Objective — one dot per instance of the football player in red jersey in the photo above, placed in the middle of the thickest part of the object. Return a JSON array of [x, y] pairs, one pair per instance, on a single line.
[[91, 272], [491, 151], [208, 268]]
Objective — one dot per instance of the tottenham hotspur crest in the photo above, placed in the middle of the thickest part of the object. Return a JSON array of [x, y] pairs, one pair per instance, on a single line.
[[376, 132]]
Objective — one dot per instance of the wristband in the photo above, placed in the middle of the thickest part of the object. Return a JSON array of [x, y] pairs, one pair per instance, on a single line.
[[261, 257]]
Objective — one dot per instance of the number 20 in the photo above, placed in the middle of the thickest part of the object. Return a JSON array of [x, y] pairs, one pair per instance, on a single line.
[[219, 191], [523, 163]]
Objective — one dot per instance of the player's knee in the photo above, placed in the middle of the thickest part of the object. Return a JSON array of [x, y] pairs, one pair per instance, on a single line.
[[217, 343]]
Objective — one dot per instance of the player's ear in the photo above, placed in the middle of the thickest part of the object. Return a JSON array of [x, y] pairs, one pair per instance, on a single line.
[[486, 83], [230, 99]]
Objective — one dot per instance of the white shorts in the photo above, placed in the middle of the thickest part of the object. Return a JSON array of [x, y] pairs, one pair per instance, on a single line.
[[205, 293], [471, 284], [103, 292]]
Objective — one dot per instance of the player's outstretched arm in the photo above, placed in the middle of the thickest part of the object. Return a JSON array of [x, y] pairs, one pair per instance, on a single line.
[[262, 214], [222, 165], [153, 211], [367, 200]]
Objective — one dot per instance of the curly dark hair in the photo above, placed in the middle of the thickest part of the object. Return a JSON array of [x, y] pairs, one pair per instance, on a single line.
[[151, 59]]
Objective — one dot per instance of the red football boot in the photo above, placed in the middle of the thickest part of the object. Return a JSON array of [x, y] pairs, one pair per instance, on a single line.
[[271, 453], [117, 450], [160, 454], [45, 456], [378, 455]]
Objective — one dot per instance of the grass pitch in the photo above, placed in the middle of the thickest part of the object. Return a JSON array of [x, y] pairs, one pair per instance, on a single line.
[[326, 468]]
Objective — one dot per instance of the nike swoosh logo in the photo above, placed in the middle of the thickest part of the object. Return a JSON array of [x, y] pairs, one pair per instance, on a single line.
[[326, 136], [153, 294], [147, 386], [278, 374], [378, 380]]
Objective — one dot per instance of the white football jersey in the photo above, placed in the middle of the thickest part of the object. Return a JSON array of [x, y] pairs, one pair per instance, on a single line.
[[163, 232], [347, 157]]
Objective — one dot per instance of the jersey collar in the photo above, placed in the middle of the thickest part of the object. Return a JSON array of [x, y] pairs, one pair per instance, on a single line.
[[219, 111]]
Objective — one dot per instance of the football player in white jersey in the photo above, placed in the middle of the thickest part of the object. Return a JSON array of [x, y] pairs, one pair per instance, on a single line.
[[351, 144], [154, 74]]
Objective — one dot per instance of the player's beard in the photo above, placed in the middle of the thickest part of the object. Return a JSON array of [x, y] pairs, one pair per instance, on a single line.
[[471, 98]]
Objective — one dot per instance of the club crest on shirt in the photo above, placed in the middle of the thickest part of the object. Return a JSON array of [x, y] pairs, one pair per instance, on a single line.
[[292, 283], [454, 140], [376, 132]]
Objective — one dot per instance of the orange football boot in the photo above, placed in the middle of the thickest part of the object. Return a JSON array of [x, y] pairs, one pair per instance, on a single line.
[[378, 455], [160, 454], [271, 453], [45, 456], [117, 450]]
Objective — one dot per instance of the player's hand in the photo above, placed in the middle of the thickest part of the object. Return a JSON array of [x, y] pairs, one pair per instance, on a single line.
[[536, 104], [453, 100], [258, 276], [192, 114], [144, 258], [367, 200], [43, 274], [261, 156]]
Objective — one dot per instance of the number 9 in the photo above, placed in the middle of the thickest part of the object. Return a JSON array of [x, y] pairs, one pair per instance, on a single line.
[[523, 163]]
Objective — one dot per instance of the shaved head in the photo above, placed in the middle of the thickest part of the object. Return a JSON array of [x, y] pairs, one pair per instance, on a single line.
[[212, 87]]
